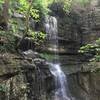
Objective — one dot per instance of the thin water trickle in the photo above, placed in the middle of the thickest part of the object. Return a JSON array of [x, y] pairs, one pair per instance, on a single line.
[[55, 68]]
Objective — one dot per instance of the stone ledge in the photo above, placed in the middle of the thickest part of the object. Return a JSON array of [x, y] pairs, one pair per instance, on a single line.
[[81, 68]]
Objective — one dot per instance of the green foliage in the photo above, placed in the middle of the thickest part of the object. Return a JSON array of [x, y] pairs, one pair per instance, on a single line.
[[92, 49], [1, 2], [47, 56], [42, 6], [29, 9], [65, 4], [38, 37], [21, 7], [24, 6], [88, 48], [83, 2], [19, 26]]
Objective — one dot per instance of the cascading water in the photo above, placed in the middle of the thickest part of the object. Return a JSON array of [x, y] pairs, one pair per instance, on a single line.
[[61, 91]]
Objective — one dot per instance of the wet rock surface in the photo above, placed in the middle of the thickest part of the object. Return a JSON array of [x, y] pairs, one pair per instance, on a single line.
[[25, 77]]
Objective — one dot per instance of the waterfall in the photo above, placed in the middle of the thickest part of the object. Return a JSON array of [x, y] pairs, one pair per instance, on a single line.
[[51, 27], [61, 91]]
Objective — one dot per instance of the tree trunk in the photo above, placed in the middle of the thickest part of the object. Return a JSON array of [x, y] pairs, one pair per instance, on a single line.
[[5, 15]]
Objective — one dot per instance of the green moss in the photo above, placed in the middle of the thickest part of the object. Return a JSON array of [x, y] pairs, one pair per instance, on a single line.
[[48, 56], [83, 2], [3, 88]]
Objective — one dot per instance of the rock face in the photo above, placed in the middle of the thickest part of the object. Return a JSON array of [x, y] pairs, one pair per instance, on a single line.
[[85, 86], [24, 77], [79, 27]]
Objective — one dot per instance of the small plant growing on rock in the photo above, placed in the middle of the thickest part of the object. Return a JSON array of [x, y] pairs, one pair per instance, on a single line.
[[93, 49]]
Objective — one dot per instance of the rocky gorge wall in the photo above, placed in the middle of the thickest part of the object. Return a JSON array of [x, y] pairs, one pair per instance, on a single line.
[[79, 27], [24, 77]]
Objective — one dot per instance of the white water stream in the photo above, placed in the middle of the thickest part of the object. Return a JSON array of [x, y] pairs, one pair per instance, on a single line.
[[61, 91]]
